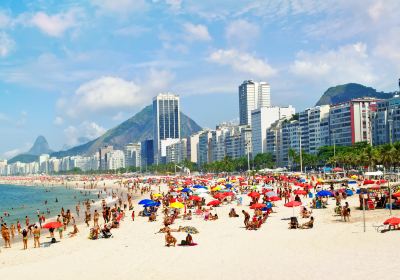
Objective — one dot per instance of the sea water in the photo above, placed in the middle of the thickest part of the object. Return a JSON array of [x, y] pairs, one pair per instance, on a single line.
[[21, 201]]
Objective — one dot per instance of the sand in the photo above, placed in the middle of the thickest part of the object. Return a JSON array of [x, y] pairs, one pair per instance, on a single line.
[[331, 250]]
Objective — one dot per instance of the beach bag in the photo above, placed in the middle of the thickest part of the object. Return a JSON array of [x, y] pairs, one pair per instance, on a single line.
[[53, 240]]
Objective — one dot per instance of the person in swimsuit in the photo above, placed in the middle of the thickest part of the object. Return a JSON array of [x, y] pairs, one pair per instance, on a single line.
[[25, 238], [36, 237]]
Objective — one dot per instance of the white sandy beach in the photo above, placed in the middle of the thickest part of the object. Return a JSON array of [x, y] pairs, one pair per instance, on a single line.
[[331, 250]]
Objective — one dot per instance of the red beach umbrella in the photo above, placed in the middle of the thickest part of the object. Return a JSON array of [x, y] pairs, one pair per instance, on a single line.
[[293, 204], [52, 225], [219, 196], [394, 221], [300, 192], [257, 206], [195, 198], [274, 198], [254, 194], [214, 203]]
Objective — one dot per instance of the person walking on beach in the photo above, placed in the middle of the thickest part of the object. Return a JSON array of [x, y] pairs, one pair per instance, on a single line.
[[18, 227], [246, 218], [12, 229], [5, 233], [87, 218], [36, 237], [133, 215], [96, 217], [25, 238], [26, 221]]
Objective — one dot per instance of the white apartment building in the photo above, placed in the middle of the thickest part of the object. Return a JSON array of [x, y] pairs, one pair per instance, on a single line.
[[252, 95], [115, 160], [133, 155], [262, 119]]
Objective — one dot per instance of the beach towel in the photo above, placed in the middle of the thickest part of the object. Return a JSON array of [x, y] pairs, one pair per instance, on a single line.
[[193, 244]]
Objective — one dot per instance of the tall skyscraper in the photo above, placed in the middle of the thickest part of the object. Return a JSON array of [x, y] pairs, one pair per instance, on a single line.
[[252, 95], [167, 121]]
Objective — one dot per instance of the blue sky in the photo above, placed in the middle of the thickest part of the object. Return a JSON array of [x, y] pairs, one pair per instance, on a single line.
[[73, 69]]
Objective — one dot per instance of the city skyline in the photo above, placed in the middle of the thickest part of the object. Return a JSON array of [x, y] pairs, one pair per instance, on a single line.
[[73, 69]]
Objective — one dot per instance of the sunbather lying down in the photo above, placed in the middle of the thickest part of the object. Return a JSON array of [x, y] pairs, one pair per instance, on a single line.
[[167, 229], [309, 224]]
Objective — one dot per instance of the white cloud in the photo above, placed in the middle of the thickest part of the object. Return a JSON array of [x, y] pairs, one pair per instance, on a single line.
[[175, 5], [242, 33], [132, 31], [349, 63], [56, 25], [121, 7], [6, 44], [58, 121], [5, 20], [243, 62], [86, 131], [118, 117], [12, 153], [196, 32], [3, 117]]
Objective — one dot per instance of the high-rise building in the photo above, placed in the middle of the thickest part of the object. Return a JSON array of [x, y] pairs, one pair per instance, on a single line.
[[147, 153], [252, 95], [103, 156], [132, 153], [386, 122], [177, 152], [262, 119], [350, 122], [166, 114], [192, 147], [204, 148]]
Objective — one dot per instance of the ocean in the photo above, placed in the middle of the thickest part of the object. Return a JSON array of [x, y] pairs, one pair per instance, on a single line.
[[21, 201]]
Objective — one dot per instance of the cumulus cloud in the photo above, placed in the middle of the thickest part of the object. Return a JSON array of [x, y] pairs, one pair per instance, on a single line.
[[342, 65], [5, 19], [110, 94], [58, 121], [121, 7], [55, 25], [86, 131], [243, 62], [196, 32], [242, 33], [6, 44]]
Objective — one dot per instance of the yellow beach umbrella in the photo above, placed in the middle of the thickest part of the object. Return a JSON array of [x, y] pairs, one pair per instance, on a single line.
[[217, 188], [157, 195], [354, 177], [176, 205]]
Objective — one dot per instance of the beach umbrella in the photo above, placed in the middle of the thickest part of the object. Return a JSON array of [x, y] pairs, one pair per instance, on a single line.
[[374, 187], [186, 190], [52, 225], [199, 187], [349, 192], [324, 193], [219, 196], [151, 204], [195, 198], [177, 205], [201, 191], [157, 195], [396, 194], [300, 192], [274, 198], [229, 186], [189, 229], [257, 206], [254, 194], [269, 194], [214, 203], [394, 221], [293, 204], [145, 201]]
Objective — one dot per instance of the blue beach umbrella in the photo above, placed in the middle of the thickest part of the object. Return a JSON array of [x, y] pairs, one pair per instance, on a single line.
[[229, 186], [324, 193], [186, 190], [349, 192], [145, 201], [151, 204], [199, 187]]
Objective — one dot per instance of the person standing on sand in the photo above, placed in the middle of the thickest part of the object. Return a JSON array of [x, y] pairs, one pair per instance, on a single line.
[[18, 227], [87, 218], [133, 215], [25, 238], [5, 233], [96, 217], [26, 221], [77, 208], [12, 229], [246, 218], [36, 237]]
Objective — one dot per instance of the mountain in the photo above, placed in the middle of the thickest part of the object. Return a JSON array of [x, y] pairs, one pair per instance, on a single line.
[[135, 129], [41, 146], [346, 92]]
